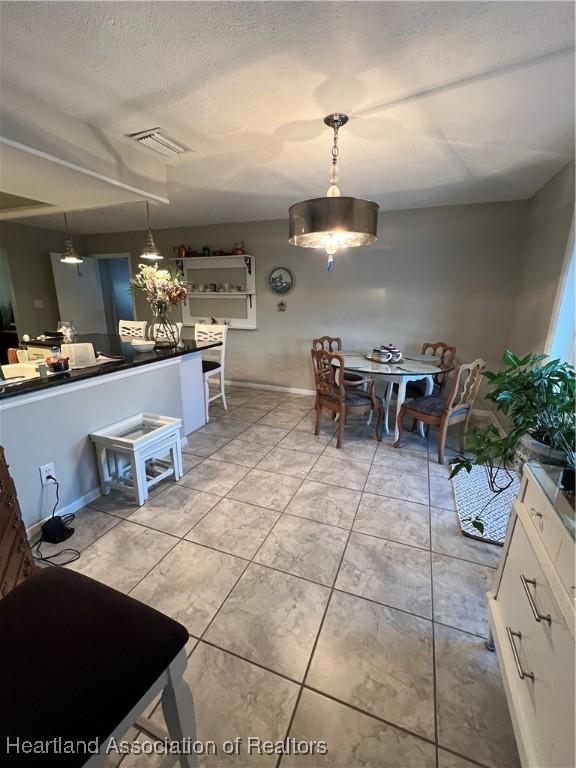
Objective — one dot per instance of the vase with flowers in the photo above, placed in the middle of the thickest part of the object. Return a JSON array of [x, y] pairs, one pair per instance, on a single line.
[[162, 290]]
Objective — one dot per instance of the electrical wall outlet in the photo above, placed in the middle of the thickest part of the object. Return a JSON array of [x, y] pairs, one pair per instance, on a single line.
[[45, 470]]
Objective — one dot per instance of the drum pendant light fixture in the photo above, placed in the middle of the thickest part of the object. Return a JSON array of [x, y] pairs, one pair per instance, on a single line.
[[70, 255], [150, 252], [334, 221]]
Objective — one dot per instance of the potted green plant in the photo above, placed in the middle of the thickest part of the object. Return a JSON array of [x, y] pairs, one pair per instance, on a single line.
[[537, 396]]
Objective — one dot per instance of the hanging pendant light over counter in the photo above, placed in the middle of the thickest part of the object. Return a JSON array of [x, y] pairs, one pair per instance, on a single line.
[[150, 252], [333, 222], [70, 255]]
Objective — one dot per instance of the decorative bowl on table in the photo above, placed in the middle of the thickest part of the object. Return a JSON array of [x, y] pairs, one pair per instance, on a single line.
[[142, 345]]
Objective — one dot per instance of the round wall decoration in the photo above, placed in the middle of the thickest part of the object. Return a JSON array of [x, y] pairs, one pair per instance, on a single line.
[[281, 280]]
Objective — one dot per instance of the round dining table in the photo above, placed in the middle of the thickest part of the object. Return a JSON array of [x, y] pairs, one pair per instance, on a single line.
[[396, 373]]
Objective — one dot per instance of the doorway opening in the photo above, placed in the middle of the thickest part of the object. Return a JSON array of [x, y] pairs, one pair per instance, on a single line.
[[96, 294], [116, 290]]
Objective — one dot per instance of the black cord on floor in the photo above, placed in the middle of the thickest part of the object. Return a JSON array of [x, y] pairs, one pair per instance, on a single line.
[[66, 520]]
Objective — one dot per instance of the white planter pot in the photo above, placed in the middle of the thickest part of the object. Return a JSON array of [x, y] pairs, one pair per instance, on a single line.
[[529, 449]]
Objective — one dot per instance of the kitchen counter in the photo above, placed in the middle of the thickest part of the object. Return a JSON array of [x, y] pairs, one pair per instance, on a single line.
[[109, 345]]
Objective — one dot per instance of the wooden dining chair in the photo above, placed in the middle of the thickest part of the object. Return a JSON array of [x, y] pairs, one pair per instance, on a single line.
[[342, 398], [334, 344], [446, 353], [437, 411]]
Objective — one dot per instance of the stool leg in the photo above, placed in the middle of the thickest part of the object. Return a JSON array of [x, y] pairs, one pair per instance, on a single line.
[[177, 460], [103, 473], [178, 709], [139, 479], [222, 391], [207, 398]]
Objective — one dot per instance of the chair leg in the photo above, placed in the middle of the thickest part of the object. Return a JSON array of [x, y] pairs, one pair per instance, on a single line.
[[414, 424], [318, 420], [464, 433], [178, 709], [442, 430], [379, 424], [222, 392], [399, 427], [207, 399], [341, 422]]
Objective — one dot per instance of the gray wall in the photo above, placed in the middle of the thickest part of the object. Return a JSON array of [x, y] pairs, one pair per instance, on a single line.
[[445, 273], [549, 217], [28, 251]]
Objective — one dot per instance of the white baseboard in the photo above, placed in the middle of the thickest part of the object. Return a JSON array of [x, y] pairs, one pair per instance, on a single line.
[[75, 505], [272, 387]]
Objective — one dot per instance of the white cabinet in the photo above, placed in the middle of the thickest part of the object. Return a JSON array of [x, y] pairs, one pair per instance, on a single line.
[[220, 287], [532, 616]]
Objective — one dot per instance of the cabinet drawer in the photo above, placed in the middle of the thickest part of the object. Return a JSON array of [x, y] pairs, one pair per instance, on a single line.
[[540, 651], [18, 566], [566, 566], [9, 528], [545, 518]]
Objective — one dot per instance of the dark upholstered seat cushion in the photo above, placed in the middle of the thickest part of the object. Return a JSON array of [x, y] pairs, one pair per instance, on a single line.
[[349, 376], [418, 389], [75, 657], [358, 397], [209, 365], [430, 406]]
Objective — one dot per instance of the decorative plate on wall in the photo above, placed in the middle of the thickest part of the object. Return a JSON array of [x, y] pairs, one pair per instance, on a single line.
[[281, 280]]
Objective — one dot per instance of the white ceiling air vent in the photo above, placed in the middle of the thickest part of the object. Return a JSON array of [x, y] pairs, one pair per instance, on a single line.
[[158, 140]]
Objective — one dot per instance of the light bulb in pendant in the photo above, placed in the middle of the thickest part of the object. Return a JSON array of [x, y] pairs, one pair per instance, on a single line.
[[330, 245], [333, 191]]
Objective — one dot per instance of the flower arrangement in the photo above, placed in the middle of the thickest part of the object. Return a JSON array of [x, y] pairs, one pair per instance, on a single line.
[[162, 289]]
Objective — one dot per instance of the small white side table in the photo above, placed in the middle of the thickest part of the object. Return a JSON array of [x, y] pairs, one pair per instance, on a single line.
[[137, 453]]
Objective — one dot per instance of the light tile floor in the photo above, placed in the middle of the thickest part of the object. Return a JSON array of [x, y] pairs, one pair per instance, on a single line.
[[329, 594]]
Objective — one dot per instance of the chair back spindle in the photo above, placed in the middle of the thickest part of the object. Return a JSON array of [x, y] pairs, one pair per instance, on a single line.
[[445, 352], [329, 343], [135, 329], [465, 387], [327, 367]]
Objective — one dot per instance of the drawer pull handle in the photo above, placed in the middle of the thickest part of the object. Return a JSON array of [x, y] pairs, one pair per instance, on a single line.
[[511, 636], [537, 615]]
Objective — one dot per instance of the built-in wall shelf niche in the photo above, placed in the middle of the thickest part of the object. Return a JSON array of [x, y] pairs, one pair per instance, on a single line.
[[220, 287]]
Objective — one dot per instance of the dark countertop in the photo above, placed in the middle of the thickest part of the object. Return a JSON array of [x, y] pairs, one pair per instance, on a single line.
[[107, 344]]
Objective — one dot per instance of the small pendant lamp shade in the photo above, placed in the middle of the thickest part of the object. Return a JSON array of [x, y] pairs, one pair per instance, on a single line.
[[70, 255], [150, 252]]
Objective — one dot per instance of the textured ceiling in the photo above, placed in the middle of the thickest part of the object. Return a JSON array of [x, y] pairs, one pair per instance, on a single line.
[[450, 102]]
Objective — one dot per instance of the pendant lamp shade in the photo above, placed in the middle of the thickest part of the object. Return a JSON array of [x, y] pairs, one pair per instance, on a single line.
[[348, 221], [334, 221], [70, 255], [150, 251]]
